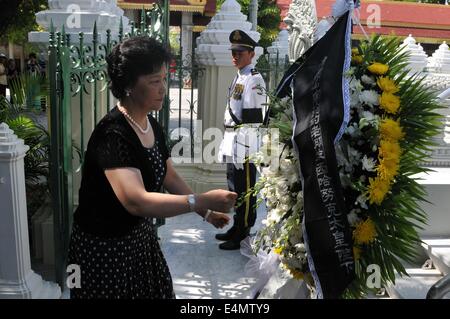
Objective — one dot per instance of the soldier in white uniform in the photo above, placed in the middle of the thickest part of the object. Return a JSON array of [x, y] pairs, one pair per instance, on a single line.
[[243, 114]]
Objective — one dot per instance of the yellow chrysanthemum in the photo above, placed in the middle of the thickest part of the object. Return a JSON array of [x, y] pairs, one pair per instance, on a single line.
[[365, 232], [389, 102], [355, 51], [387, 85], [358, 59], [391, 130], [356, 252], [378, 188], [388, 169], [278, 250], [389, 150], [378, 68]]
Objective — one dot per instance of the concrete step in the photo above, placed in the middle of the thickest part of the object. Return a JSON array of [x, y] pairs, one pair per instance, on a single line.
[[47, 290], [416, 286], [438, 249]]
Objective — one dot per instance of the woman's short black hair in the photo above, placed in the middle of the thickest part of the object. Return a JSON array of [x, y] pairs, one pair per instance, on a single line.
[[132, 58]]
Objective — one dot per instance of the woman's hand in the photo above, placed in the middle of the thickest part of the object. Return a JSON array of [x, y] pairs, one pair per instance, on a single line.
[[218, 220], [217, 200]]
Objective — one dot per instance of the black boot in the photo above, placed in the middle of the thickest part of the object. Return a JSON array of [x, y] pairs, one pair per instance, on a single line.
[[229, 234], [235, 242]]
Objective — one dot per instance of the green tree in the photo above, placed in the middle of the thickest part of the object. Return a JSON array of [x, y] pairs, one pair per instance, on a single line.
[[17, 18], [269, 19]]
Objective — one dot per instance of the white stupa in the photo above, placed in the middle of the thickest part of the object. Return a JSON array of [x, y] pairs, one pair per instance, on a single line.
[[79, 16], [213, 43], [440, 60], [279, 47], [417, 56]]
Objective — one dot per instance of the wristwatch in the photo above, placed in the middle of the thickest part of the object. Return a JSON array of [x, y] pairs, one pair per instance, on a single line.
[[191, 201]]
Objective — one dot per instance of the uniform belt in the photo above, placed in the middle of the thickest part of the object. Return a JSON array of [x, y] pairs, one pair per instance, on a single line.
[[229, 127]]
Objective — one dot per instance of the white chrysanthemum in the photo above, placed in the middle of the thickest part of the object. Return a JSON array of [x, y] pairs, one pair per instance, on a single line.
[[368, 164], [273, 217], [289, 171], [285, 164], [354, 99], [300, 247], [293, 178], [353, 130], [284, 208], [353, 218], [354, 155], [282, 186], [295, 236], [369, 115], [266, 171], [286, 200], [362, 201], [355, 84], [369, 97], [368, 80]]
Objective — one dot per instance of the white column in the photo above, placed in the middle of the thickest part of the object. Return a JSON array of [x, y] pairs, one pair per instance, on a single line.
[[278, 53], [17, 280], [214, 55], [186, 33], [11, 50], [279, 47], [186, 42]]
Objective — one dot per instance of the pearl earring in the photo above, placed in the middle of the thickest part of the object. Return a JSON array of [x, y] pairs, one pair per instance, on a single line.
[[127, 93]]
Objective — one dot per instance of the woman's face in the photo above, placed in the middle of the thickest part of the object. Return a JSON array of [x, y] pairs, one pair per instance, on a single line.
[[150, 90]]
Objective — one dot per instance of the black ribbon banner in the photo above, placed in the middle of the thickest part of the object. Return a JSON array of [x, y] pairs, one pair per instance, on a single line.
[[316, 80]]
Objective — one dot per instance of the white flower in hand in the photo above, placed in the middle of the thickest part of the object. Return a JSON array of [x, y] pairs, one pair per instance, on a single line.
[[218, 220]]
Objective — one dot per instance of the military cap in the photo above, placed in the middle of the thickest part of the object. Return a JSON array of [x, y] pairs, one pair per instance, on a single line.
[[241, 41]]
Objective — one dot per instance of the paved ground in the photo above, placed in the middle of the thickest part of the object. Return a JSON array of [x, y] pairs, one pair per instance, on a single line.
[[199, 268]]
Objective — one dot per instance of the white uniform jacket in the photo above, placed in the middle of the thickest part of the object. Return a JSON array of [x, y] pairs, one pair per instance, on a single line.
[[243, 115]]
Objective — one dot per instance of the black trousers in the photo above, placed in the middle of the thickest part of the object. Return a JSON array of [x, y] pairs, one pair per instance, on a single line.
[[3, 89], [240, 181]]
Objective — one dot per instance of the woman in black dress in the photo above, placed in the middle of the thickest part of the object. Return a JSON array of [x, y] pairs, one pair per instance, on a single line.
[[126, 165]]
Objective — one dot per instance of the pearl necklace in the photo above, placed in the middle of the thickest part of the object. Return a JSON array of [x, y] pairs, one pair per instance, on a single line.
[[132, 121]]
